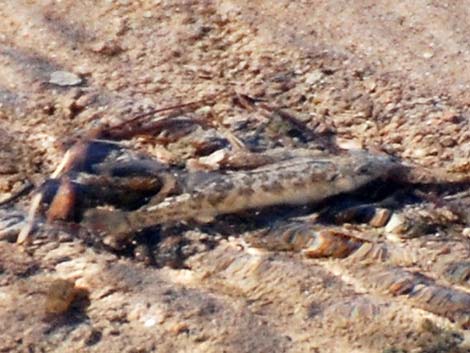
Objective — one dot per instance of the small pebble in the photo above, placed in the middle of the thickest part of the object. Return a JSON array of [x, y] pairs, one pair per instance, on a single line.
[[313, 77], [179, 328], [108, 48], [428, 55], [60, 296], [419, 152], [396, 225], [381, 217], [64, 79], [466, 232], [150, 322]]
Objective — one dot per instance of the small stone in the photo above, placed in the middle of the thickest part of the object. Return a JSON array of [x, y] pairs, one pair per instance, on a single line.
[[221, 108], [179, 328], [64, 79], [313, 77], [149, 322], [349, 144], [159, 78], [210, 162], [466, 232], [396, 225], [204, 111], [331, 244], [108, 48], [450, 116], [370, 85], [83, 70], [381, 217], [428, 55], [419, 152], [85, 101], [92, 337], [137, 312], [60, 296], [448, 141]]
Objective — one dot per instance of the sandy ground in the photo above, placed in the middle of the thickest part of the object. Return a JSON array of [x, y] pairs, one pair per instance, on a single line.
[[380, 76]]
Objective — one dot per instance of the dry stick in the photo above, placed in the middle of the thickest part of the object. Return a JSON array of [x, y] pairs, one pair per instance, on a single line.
[[150, 113], [152, 127], [459, 195], [158, 110], [154, 111], [33, 209], [324, 139], [290, 118], [27, 187], [246, 102], [100, 132], [233, 140]]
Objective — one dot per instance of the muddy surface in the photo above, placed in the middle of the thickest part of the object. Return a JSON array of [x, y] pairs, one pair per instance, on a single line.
[[374, 75]]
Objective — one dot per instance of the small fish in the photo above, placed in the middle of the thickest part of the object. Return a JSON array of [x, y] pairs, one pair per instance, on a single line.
[[295, 181]]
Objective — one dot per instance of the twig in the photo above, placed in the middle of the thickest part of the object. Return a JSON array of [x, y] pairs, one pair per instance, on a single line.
[[26, 188], [154, 111], [459, 195]]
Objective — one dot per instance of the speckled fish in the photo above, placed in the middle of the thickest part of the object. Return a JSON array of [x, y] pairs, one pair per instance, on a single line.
[[295, 181]]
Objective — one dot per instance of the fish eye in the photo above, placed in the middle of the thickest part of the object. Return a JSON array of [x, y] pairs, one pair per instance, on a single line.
[[365, 168]]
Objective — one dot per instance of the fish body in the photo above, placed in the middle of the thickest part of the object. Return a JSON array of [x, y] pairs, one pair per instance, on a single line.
[[294, 181]]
